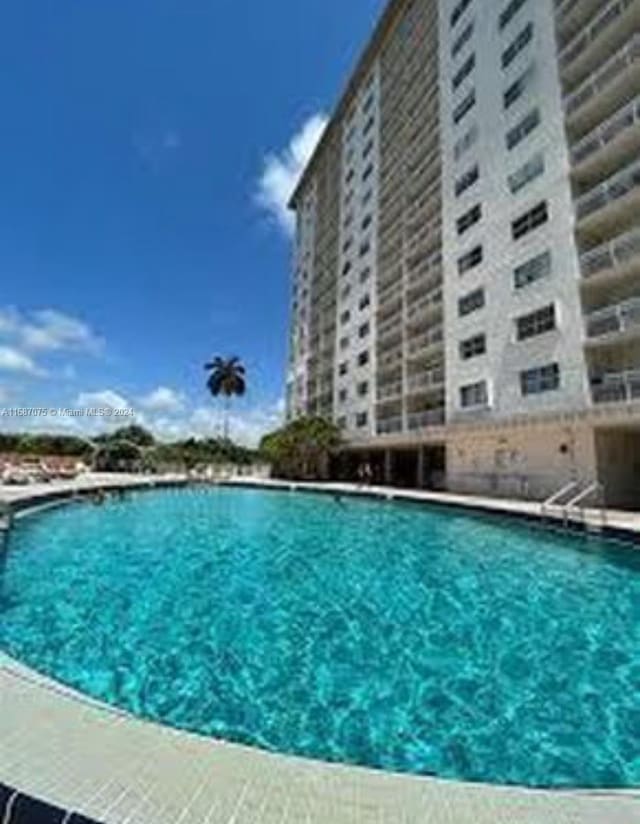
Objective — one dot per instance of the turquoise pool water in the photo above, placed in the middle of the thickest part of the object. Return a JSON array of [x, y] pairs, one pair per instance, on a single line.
[[373, 633]]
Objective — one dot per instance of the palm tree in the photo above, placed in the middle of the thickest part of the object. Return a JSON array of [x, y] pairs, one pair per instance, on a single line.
[[227, 378]]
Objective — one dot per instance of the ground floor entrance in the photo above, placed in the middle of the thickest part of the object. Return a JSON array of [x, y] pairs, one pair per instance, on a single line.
[[420, 467], [618, 461]]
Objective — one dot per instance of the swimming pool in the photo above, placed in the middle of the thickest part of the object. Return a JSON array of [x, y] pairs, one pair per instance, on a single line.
[[388, 635]]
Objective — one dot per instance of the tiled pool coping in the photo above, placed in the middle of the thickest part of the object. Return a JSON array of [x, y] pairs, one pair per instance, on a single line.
[[78, 754]]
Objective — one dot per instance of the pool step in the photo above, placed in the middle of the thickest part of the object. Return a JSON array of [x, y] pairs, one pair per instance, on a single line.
[[18, 808]]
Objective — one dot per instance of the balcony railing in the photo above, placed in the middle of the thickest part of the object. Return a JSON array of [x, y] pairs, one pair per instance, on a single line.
[[624, 119], [616, 187], [604, 76], [582, 41], [423, 420], [433, 299], [390, 358], [613, 255], [424, 341], [390, 426], [394, 390], [622, 387], [390, 328], [614, 319], [434, 379]]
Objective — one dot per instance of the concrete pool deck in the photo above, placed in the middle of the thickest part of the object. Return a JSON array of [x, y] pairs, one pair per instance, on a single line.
[[78, 754]]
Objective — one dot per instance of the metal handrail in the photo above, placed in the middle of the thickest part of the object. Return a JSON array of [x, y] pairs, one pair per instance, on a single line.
[[560, 494], [574, 504]]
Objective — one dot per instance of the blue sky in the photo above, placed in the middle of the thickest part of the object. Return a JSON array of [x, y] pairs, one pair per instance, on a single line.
[[146, 149]]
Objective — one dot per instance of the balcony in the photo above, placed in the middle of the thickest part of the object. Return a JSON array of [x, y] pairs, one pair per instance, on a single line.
[[608, 142], [391, 392], [605, 90], [390, 359], [420, 311], [390, 333], [390, 426], [425, 271], [622, 387], [424, 342], [614, 321], [617, 256], [425, 420], [603, 35], [426, 382], [573, 15], [609, 200]]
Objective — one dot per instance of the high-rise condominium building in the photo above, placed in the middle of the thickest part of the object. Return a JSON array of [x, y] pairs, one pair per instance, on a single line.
[[466, 295]]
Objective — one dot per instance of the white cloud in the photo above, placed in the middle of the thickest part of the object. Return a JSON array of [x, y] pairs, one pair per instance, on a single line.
[[104, 399], [13, 360], [283, 170], [50, 330], [163, 399]]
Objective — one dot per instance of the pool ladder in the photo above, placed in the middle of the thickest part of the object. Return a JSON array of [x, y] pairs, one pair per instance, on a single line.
[[569, 503]]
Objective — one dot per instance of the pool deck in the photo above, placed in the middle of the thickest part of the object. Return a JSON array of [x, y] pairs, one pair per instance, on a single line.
[[79, 754]]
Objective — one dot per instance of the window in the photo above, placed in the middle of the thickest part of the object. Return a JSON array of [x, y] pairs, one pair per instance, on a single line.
[[462, 39], [342, 423], [345, 317], [530, 220], [517, 88], [369, 125], [367, 150], [366, 197], [346, 268], [366, 223], [467, 180], [468, 219], [536, 323], [345, 292], [464, 107], [344, 368], [368, 103], [464, 71], [470, 260], [363, 358], [367, 172], [458, 11], [465, 142], [364, 330], [365, 247], [474, 394], [350, 175], [521, 41], [365, 275], [365, 302], [344, 343], [473, 347], [343, 395], [362, 419], [471, 303], [539, 380], [510, 12], [347, 244], [528, 173], [533, 270], [363, 389], [523, 129]]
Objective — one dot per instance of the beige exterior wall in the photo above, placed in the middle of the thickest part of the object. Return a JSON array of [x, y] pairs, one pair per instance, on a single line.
[[530, 461]]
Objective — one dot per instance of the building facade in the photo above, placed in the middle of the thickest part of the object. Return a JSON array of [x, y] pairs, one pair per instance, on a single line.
[[466, 296]]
